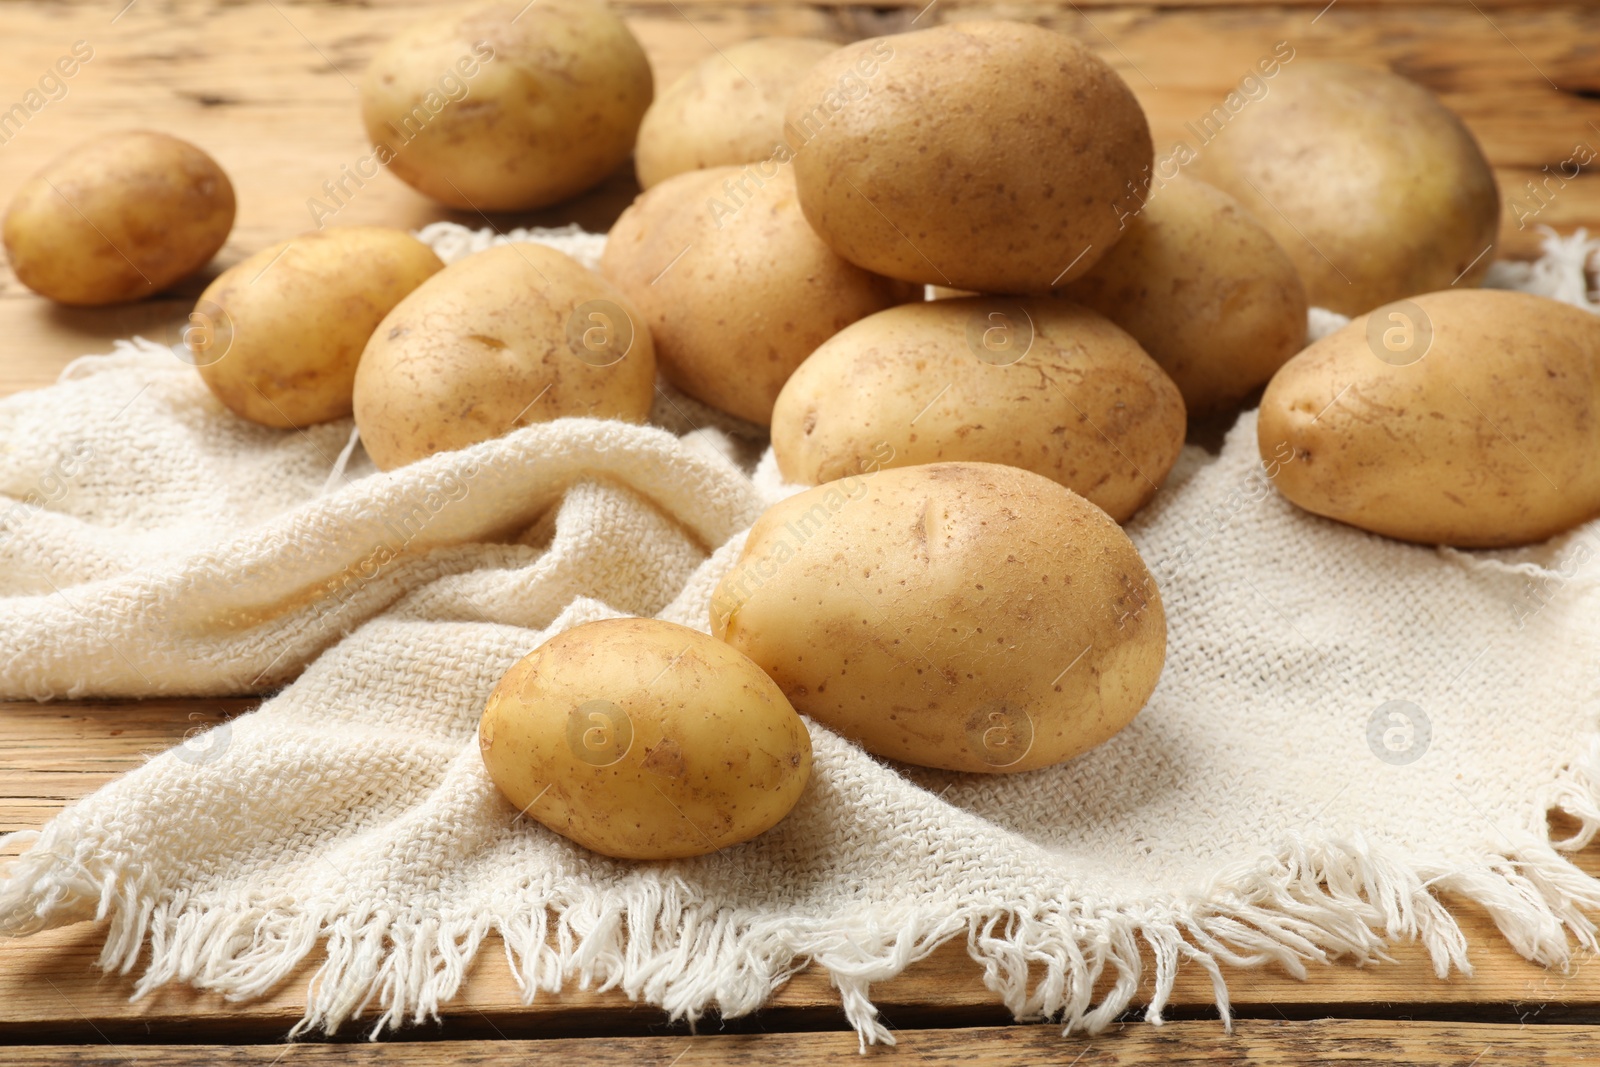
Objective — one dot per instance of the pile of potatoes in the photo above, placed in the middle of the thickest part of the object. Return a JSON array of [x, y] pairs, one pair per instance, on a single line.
[[947, 273]]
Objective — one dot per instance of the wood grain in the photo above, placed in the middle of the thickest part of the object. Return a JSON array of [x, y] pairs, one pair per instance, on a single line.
[[1264, 1044], [51, 754]]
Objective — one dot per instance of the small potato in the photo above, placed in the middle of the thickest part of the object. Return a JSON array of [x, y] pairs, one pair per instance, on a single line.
[[645, 740], [992, 156], [736, 286], [728, 109], [968, 616], [510, 336], [1373, 187], [117, 218], [1040, 384], [507, 105], [1203, 289], [1458, 418], [277, 337]]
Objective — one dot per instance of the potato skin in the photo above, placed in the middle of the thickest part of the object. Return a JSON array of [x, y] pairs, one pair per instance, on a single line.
[[551, 105], [968, 616], [727, 109], [1205, 290], [492, 343], [277, 336], [1375, 189], [117, 218], [739, 294], [645, 740], [991, 156], [1486, 441], [1083, 405]]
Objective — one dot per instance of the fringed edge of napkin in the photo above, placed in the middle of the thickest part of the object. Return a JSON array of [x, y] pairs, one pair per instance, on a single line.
[[1314, 902]]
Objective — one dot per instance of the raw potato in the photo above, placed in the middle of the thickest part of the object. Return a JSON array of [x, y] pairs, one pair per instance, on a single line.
[[1040, 384], [508, 106], [1482, 435], [118, 218], [277, 337], [960, 615], [736, 296], [726, 110], [645, 740], [1374, 188], [992, 156], [510, 336], [1205, 290]]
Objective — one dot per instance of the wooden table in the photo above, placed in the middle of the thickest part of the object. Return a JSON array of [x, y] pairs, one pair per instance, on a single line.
[[267, 87]]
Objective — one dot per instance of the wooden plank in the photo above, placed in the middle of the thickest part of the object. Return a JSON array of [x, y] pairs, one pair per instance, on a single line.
[[53, 753], [267, 88], [1264, 1044]]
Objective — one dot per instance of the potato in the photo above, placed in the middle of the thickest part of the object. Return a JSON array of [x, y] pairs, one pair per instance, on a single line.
[[644, 740], [1039, 384], [1373, 187], [968, 616], [1205, 290], [511, 336], [735, 285], [508, 105], [277, 336], [1460, 418], [992, 156], [117, 218], [726, 110]]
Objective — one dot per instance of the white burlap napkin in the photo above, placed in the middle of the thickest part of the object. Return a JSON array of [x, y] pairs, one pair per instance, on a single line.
[[1346, 727]]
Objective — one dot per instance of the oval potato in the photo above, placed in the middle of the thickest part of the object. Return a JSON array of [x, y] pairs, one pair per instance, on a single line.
[[1205, 290], [507, 105], [1461, 418], [644, 740], [1375, 189], [727, 109], [510, 336], [969, 616], [277, 337], [992, 156], [1040, 384], [119, 217], [737, 288]]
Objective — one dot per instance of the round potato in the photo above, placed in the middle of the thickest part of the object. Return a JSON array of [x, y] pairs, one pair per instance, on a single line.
[[735, 285], [117, 218], [1205, 290], [992, 156], [507, 106], [728, 109], [645, 740], [277, 337], [1040, 384], [1458, 418], [1373, 187], [968, 616], [511, 336]]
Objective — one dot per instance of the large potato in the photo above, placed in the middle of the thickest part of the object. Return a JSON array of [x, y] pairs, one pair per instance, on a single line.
[[736, 296], [511, 336], [992, 156], [1460, 418], [277, 337], [1374, 188], [507, 106], [118, 218], [728, 109], [1040, 384], [960, 615], [644, 740], [1205, 290]]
